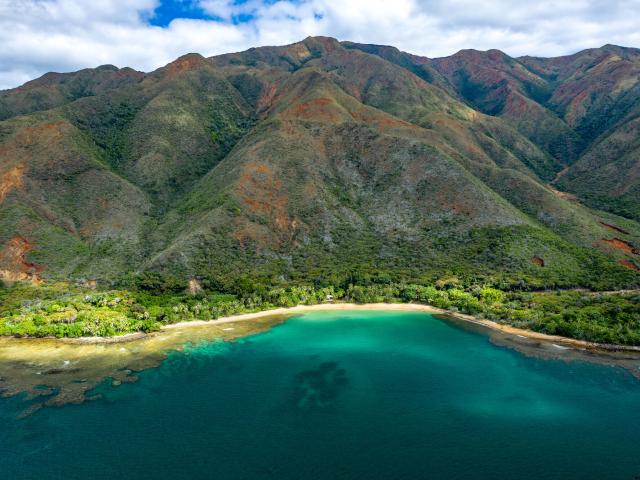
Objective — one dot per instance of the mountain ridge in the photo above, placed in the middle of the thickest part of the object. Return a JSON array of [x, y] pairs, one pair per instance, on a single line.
[[318, 159]]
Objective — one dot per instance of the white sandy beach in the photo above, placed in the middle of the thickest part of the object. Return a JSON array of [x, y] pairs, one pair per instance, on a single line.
[[406, 307], [508, 329]]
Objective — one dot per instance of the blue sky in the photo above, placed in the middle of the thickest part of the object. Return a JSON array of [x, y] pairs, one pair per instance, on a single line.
[[169, 10], [38, 36]]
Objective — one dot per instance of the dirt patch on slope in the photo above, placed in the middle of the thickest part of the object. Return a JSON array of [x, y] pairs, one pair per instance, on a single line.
[[629, 264], [266, 97], [13, 265], [563, 195], [623, 245], [318, 109], [537, 261], [264, 196], [10, 180], [263, 193], [49, 131]]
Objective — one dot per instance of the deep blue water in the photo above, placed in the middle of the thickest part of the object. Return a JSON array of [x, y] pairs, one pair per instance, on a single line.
[[341, 395]]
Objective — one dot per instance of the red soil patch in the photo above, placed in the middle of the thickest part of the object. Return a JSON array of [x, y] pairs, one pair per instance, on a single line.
[[448, 200], [621, 245], [13, 265], [354, 90], [614, 228], [49, 131], [247, 231], [266, 97], [263, 194], [10, 180], [41, 134], [460, 209], [515, 104], [563, 195], [576, 107], [537, 261], [185, 63], [128, 72], [387, 122], [328, 43], [629, 264], [87, 231], [319, 109], [383, 121]]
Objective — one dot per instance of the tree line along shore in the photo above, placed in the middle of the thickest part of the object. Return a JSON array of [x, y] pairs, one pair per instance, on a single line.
[[63, 309]]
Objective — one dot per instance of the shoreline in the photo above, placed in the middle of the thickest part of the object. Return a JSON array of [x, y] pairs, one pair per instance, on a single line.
[[70, 368], [407, 307]]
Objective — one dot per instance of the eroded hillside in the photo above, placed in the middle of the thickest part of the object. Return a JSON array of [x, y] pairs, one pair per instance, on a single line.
[[319, 159]]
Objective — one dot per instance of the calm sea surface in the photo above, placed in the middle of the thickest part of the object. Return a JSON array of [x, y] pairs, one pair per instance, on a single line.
[[340, 395]]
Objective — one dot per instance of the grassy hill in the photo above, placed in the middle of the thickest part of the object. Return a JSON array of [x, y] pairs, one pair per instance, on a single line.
[[580, 109]]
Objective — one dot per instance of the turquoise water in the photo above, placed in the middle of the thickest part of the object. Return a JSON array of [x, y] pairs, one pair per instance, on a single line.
[[341, 395]]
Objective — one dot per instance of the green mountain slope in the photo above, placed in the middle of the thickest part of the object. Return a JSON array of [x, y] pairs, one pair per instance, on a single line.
[[579, 109], [314, 161], [56, 89]]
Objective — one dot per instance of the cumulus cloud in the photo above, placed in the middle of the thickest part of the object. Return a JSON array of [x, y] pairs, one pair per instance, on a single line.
[[64, 35]]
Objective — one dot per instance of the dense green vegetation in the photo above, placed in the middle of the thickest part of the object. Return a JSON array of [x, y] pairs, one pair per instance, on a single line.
[[65, 310]]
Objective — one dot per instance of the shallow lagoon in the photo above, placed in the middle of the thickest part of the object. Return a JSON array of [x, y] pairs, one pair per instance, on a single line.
[[340, 395]]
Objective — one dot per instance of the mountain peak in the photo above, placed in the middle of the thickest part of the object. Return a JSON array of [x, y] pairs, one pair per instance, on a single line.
[[184, 63], [322, 39], [107, 67], [471, 53], [188, 60], [326, 44]]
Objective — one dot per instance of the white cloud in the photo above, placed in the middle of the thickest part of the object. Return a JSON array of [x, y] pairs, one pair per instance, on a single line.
[[64, 35]]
